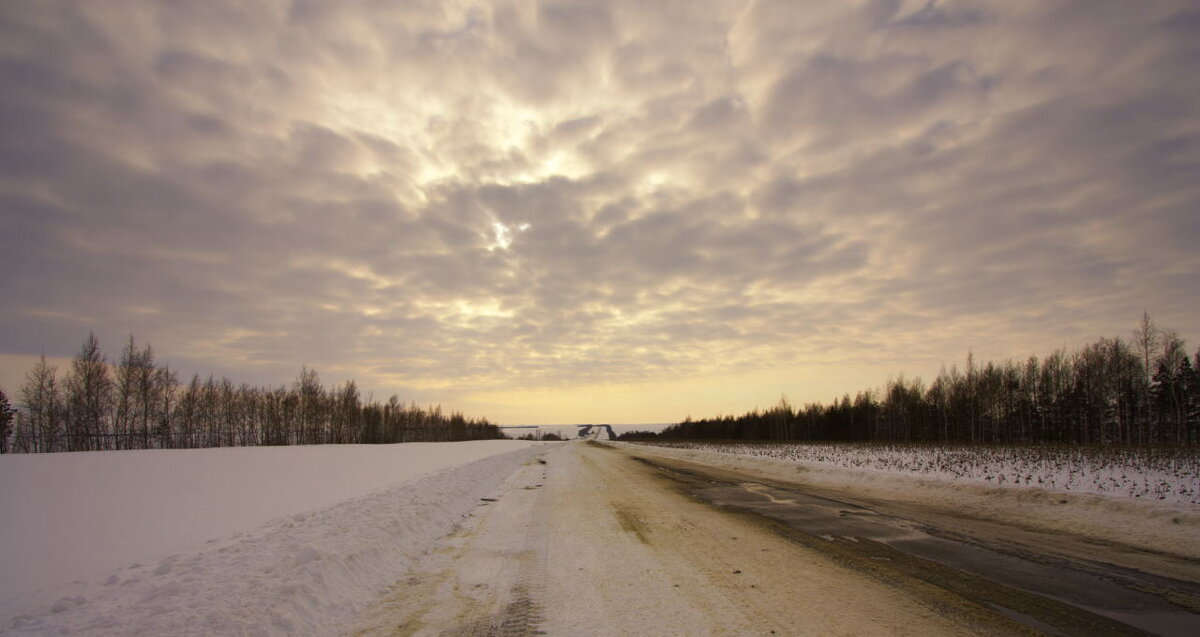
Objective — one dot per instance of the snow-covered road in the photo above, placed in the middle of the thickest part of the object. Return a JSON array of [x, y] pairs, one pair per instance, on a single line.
[[597, 542], [591, 543]]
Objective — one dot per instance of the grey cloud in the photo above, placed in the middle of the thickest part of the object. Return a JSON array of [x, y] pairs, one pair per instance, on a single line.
[[320, 149], [837, 101], [934, 16], [574, 128], [546, 54], [316, 183], [717, 115]]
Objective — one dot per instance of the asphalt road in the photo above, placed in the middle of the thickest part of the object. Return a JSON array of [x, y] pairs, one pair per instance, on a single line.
[[593, 540]]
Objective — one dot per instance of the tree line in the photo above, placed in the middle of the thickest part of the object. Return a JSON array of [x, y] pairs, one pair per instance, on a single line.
[[1140, 390], [137, 403]]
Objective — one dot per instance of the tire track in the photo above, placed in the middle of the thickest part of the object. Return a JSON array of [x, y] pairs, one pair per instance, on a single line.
[[484, 580], [524, 615]]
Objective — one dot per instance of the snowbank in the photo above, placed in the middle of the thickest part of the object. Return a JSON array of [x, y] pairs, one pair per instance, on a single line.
[[303, 573], [1169, 474]]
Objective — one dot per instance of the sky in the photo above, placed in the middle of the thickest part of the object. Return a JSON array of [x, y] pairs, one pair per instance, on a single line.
[[611, 211]]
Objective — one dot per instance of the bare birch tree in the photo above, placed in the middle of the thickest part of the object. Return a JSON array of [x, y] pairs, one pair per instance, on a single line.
[[89, 398]]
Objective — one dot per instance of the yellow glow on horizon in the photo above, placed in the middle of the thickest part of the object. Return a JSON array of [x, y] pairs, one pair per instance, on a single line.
[[14, 367], [644, 402]]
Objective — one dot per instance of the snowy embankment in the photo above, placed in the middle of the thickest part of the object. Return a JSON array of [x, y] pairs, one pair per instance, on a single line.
[[1073, 497], [1170, 474], [284, 540]]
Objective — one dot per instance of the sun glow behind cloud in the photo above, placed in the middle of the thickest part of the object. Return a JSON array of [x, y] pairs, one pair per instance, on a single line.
[[544, 212]]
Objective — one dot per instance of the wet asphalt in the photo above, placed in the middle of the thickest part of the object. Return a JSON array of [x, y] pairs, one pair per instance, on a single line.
[[1047, 593]]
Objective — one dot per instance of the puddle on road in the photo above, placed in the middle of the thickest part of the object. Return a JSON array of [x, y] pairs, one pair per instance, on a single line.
[[812, 514], [1173, 623], [1032, 622]]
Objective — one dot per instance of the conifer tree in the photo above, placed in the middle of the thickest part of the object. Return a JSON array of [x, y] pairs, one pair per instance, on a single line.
[[1189, 390], [6, 421]]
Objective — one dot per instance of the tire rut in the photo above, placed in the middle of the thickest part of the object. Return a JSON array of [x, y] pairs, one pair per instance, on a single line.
[[522, 615], [486, 580]]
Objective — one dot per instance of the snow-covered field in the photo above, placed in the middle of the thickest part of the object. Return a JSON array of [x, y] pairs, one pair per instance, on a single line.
[[226, 541], [1167, 474]]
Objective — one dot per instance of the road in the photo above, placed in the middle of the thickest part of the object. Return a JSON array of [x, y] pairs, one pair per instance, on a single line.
[[593, 540]]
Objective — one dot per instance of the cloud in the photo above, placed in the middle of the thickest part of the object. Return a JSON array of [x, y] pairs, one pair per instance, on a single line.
[[454, 199]]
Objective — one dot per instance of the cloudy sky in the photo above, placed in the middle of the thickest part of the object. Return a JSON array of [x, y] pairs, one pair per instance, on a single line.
[[594, 211]]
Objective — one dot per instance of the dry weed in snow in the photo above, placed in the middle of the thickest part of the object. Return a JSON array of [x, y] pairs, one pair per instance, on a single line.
[[1171, 474]]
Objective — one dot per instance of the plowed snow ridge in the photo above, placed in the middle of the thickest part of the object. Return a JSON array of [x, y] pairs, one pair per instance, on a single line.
[[305, 573]]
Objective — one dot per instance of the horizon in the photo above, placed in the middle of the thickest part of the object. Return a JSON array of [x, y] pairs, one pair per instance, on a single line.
[[595, 211]]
